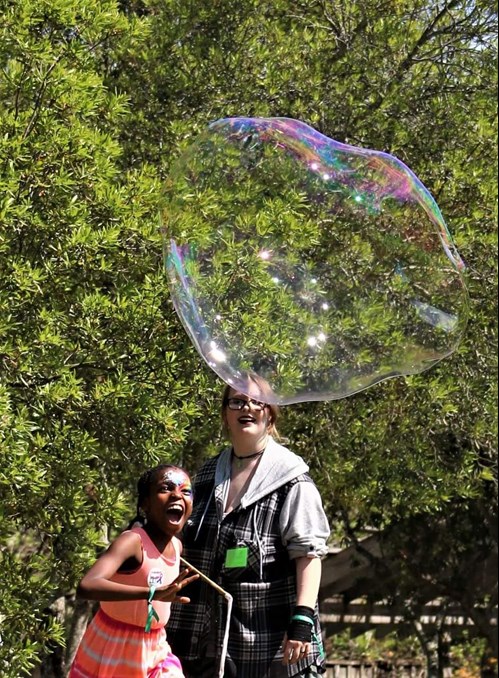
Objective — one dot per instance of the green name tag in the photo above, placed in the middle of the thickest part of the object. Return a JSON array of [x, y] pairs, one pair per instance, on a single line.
[[237, 557]]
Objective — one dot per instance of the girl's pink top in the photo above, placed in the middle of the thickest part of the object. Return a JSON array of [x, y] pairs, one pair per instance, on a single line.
[[155, 570]]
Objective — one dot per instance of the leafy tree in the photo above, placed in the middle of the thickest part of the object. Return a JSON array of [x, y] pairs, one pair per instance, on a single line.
[[416, 80], [98, 377], [93, 384]]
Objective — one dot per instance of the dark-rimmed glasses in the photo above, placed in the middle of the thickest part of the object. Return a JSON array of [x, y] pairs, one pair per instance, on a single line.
[[239, 403]]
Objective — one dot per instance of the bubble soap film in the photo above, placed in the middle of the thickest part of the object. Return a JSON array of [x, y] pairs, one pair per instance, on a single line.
[[320, 267]]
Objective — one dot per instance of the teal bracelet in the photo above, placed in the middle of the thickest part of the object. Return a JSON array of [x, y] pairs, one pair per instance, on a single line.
[[151, 612], [300, 617]]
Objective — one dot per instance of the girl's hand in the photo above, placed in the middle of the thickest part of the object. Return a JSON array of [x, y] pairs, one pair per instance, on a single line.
[[294, 650], [169, 593]]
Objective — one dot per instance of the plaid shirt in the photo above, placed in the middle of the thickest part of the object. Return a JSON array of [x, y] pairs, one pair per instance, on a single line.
[[264, 592]]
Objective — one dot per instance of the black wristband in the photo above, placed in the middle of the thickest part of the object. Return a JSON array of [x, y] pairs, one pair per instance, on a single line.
[[301, 624]]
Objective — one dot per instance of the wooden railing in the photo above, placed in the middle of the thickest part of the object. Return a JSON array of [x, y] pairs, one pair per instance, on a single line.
[[346, 668]]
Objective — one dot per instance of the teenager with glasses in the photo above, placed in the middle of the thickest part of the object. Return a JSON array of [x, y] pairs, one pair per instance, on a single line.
[[259, 530]]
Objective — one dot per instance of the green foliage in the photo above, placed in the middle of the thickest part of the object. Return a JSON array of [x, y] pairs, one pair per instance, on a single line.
[[464, 653], [368, 647], [92, 387], [98, 379]]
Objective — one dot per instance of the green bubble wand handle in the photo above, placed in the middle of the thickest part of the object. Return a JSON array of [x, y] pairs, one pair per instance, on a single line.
[[229, 600]]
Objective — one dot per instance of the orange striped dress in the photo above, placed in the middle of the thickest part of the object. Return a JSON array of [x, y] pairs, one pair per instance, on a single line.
[[115, 644]]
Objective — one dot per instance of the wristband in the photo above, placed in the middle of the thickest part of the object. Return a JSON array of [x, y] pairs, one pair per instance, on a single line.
[[151, 612], [301, 624]]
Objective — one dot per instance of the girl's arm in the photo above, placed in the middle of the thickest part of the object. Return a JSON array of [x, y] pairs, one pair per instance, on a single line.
[[308, 580], [97, 584]]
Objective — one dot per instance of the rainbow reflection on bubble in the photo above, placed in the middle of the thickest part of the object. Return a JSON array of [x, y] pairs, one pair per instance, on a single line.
[[320, 267]]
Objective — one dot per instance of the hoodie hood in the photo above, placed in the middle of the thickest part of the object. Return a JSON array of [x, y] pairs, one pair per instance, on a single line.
[[277, 467]]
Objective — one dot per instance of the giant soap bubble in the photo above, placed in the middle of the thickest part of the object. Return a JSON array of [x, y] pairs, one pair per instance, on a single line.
[[320, 267]]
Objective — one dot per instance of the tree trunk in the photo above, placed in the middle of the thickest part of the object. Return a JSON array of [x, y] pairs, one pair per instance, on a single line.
[[430, 646], [81, 614]]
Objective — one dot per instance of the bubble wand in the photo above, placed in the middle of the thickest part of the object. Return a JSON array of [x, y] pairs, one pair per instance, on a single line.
[[229, 599]]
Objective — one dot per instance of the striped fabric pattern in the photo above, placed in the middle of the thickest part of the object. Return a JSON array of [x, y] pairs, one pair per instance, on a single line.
[[263, 602], [113, 649]]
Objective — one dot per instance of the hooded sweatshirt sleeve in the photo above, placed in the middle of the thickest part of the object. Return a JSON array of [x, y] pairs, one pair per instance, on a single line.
[[304, 525]]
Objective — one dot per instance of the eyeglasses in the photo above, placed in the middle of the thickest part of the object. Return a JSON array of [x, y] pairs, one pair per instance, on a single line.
[[239, 403]]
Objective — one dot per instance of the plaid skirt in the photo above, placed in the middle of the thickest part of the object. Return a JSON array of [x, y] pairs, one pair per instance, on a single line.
[[113, 649], [279, 671], [206, 667]]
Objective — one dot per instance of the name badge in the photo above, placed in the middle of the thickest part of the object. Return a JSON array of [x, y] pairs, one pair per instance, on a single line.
[[237, 557]]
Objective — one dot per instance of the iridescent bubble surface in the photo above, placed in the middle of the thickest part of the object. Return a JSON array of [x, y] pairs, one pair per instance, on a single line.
[[320, 267]]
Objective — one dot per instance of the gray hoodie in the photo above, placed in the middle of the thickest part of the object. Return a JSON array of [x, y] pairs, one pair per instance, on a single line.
[[303, 523]]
